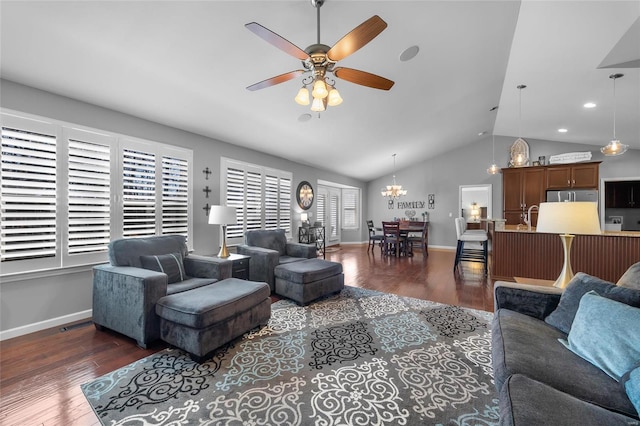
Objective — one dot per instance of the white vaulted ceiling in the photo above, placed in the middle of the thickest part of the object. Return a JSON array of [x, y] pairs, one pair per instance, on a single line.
[[187, 64]]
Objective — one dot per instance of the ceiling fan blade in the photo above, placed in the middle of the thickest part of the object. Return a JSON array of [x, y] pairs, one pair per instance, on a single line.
[[357, 38], [275, 80], [276, 40], [363, 78]]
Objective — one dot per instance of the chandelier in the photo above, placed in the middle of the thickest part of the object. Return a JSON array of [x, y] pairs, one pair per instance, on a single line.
[[615, 147], [393, 191]]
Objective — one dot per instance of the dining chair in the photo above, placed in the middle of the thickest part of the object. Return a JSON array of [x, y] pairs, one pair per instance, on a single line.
[[470, 254], [373, 237], [393, 241], [420, 240]]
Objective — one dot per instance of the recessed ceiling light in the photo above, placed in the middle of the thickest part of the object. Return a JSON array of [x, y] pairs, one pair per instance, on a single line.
[[589, 105], [409, 53], [304, 117], [563, 130], [482, 133]]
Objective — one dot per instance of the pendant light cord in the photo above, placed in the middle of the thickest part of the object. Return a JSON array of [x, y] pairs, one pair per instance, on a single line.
[[614, 108]]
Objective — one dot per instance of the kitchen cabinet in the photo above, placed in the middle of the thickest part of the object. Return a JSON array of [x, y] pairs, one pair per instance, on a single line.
[[622, 194], [579, 175], [522, 188]]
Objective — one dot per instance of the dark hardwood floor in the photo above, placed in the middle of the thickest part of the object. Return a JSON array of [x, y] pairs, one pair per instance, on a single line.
[[41, 373]]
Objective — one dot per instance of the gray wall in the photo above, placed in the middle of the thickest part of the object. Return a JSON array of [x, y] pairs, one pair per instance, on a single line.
[[26, 302], [468, 165]]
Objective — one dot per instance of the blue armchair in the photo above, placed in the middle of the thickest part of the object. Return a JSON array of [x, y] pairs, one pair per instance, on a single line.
[[141, 271]]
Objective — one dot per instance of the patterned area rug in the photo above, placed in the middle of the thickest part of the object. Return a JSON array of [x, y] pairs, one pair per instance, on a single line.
[[358, 358]]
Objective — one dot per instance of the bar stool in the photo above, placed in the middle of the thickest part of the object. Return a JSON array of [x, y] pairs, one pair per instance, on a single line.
[[470, 254]]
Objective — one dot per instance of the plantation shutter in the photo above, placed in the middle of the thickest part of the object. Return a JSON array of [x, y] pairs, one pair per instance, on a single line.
[[321, 209], [235, 195], [271, 199], [28, 185], [261, 196], [284, 204], [350, 208], [175, 196], [88, 193], [139, 193], [333, 215], [254, 200]]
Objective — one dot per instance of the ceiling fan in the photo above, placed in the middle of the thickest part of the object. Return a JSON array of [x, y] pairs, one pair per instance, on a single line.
[[319, 60]]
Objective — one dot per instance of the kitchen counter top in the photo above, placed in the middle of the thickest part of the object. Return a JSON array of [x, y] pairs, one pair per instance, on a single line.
[[524, 230]]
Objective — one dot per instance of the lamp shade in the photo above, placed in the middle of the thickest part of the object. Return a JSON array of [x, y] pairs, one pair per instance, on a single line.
[[222, 215], [568, 218]]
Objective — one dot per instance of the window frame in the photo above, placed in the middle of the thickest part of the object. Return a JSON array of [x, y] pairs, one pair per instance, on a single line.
[[64, 131], [235, 234]]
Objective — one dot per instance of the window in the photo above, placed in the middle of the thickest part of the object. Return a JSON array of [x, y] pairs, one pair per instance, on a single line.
[[350, 207], [65, 194], [262, 197]]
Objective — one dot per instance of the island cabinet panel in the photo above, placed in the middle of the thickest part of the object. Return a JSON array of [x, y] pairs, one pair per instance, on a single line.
[[540, 255], [579, 175]]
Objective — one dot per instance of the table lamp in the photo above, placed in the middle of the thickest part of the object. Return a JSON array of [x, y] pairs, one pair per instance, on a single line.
[[223, 215], [566, 219]]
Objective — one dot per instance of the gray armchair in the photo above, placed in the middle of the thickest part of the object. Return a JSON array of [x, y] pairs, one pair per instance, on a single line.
[[141, 271], [269, 249]]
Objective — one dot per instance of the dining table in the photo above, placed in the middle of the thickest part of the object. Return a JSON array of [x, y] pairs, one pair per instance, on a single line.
[[407, 227]]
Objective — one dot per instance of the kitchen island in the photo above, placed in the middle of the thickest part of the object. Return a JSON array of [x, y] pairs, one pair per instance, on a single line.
[[518, 252]]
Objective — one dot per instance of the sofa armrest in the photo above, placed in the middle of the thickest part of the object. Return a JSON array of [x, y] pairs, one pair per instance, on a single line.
[[308, 251], [207, 267], [262, 263], [124, 300], [532, 300]]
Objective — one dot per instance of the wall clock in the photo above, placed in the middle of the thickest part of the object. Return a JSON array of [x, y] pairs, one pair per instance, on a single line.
[[304, 195]]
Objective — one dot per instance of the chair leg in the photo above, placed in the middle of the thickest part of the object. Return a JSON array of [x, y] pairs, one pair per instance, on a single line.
[[485, 254], [459, 249]]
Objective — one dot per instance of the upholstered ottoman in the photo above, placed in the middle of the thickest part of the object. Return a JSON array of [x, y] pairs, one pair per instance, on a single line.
[[308, 280], [203, 319]]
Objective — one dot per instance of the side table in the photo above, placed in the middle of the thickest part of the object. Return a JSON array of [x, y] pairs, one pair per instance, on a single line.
[[239, 266]]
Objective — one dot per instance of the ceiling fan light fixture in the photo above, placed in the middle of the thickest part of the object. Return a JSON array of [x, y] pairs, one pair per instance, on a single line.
[[320, 89], [302, 98], [334, 97], [317, 105]]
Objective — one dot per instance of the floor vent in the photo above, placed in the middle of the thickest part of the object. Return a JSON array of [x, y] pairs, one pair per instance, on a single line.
[[74, 326]]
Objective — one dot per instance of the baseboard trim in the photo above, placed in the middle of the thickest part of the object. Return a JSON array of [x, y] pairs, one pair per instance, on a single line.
[[43, 325]]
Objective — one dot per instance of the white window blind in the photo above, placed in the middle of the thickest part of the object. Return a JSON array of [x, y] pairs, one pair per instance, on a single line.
[[350, 208], [89, 194], [28, 185], [321, 209], [261, 196], [333, 215], [175, 196], [138, 193], [66, 192]]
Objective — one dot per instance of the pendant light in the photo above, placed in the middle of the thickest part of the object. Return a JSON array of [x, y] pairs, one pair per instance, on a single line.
[[615, 147], [493, 168], [520, 148]]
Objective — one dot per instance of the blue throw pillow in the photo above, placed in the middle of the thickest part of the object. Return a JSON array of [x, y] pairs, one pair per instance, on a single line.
[[170, 264], [562, 317], [606, 333], [631, 383]]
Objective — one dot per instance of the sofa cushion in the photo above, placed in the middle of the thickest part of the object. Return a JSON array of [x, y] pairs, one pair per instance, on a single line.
[[631, 278], [170, 264], [289, 259], [606, 333], [631, 383], [127, 251], [525, 345], [211, 304], [562, 316], [189, 284], [524, 401], [269, 239]]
